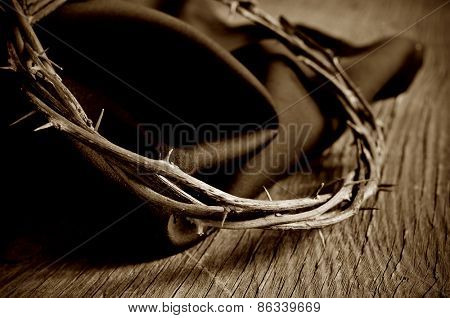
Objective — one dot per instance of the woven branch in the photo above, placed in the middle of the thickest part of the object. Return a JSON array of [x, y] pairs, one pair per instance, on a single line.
[[175, 190]]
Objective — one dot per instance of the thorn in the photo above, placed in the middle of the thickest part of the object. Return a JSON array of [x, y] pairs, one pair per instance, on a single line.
[[169, 154], [268, 194], [224, 218], [322, 237], [278, 214], [318, 190], [200, 230], [23, 118], [47, 125], [55, 65], [42, 55], [97, 125], [8, 68]]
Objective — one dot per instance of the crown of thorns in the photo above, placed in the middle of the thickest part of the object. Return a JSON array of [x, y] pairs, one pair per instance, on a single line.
[[186, 196]]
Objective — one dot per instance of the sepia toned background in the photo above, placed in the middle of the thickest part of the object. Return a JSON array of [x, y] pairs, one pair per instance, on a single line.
[[401, 249]]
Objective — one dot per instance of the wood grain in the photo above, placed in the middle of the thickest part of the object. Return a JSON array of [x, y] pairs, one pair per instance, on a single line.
[[400, 250]]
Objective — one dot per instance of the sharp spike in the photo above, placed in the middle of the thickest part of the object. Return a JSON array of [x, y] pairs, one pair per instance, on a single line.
[[7, 68], [44, 56], [47, 125], [318, 190], [169, 154], [268, 194], [23, 118], [200, 230], [97, 125], [224, 218], [56, 65]]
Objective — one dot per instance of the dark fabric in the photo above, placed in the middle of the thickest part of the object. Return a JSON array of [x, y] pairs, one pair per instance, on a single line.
[[186, 57], [291, 86]]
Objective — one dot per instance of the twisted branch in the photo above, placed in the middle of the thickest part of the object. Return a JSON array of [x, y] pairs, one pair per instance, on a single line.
[[214, 207]]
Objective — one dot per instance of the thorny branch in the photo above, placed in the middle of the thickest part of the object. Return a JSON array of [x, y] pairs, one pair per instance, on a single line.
[[213, 207]]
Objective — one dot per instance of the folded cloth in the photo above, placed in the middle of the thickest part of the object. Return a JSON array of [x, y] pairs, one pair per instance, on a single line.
[[154, 63]]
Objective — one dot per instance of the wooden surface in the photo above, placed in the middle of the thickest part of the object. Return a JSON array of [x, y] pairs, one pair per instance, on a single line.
[[400, 250]]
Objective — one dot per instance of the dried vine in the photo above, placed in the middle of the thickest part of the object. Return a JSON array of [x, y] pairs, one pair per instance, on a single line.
[[213, 207]]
